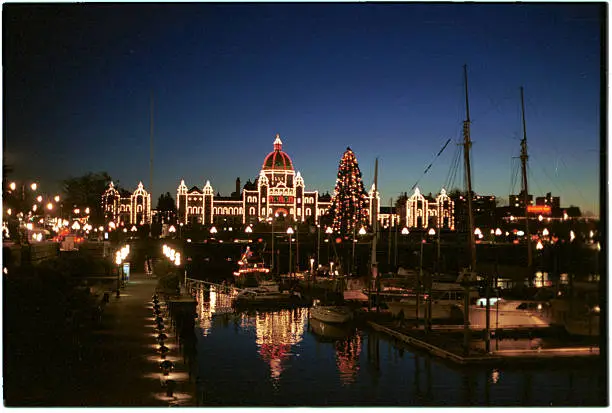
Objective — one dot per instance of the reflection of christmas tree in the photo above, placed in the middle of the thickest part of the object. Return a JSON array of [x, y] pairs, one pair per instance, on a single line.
[[349, 208], [347, 358]]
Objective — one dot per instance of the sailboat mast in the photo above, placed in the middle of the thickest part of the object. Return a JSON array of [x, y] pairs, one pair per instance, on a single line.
[[374, 214], [524, 158], [467, 144]]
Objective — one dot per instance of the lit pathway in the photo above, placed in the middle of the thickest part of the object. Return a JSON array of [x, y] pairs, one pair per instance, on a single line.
[[121, 365]]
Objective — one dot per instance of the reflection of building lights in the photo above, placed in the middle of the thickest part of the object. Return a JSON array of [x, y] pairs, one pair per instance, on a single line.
[[495, 376], [347, 358], [276, 333]]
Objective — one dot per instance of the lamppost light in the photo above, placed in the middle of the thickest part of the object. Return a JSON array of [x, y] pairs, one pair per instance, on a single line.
[[13, 186], [39, 198], [57, 198], [34, 186]]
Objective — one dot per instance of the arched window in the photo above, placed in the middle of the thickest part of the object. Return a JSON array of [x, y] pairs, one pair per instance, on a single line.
[[308, 211], [252, 211]]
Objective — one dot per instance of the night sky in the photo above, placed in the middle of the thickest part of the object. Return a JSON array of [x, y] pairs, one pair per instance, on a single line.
[[384, 79]]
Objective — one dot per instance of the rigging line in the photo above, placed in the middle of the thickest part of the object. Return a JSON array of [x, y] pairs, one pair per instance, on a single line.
[[536, 160], [429, 166], [577, 187], [533, 179], [452, 172]]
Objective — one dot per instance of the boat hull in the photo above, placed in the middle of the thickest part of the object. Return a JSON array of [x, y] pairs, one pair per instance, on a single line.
[[329, 331], [407, 309], [331, 315]]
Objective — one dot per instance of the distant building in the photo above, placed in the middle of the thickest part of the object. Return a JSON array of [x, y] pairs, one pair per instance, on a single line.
[[132, 209], [428, 212], [518, 201], [552, 201], [278, 191]]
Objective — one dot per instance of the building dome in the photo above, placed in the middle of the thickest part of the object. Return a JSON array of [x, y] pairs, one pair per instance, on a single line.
[[278, 159]]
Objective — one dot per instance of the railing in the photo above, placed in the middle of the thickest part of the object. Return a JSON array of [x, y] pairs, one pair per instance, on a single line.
[[201, 283]]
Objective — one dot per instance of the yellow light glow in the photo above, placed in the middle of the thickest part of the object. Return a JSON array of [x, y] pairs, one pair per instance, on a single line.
[[87, 210], [498, 231], [29, 226], [289, 230], [77, 211], [405, 231], [539, 246], [545, 232], [34, 207], [76, 225], [49, 206], [432, 231], [13, 185], [34, 186], [9, 211], [57, 198], [39, 198]]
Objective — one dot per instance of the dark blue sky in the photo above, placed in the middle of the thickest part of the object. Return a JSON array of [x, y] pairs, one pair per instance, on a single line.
[[384, 79]]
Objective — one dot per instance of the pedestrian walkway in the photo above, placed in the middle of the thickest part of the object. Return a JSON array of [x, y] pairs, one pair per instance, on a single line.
[[121, 363]]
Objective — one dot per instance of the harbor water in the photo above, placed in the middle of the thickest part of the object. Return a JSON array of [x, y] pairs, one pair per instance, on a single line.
[[283, 358]]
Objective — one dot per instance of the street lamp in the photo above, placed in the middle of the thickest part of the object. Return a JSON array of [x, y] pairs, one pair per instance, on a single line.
[[312, 267], [290, 233], [49, 206], [328, 231], [213, 230], [545, 232], [405, 231], [34, 186], [57, 198], [431, 231]]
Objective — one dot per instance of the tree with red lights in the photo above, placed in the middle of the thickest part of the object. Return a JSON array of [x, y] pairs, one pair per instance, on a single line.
[[349, 209]]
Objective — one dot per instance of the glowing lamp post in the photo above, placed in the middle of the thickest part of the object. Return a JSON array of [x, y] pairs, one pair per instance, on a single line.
[[431, 231], [290, 233], [213, 231]]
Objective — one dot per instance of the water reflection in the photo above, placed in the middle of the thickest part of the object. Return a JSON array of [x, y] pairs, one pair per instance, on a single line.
[[355, 366], [277, 332], [212, 301], [347, 358]]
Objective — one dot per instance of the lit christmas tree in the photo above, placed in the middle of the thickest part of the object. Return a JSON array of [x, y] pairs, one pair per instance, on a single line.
[[349, 209]]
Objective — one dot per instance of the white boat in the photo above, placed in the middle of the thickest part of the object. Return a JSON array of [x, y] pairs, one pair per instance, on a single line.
[[329, 331], [332, 314], [445, 304], [264, 296]]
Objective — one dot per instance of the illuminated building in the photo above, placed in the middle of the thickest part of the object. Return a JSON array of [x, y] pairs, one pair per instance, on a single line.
[[427, 212], [278, 191], [133, 209]]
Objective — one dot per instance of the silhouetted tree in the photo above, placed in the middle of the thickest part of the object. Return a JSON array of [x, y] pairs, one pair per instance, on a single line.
[[86, 192]]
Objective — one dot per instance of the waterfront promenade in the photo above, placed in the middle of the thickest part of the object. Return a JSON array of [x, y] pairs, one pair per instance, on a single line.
[[119, 366]]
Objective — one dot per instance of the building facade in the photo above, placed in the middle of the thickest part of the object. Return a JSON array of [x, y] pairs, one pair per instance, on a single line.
[[278, 191], [428, 212], [133, 209]]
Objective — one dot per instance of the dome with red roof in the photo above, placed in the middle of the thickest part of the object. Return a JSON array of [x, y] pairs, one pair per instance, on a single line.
[[278, 159]]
